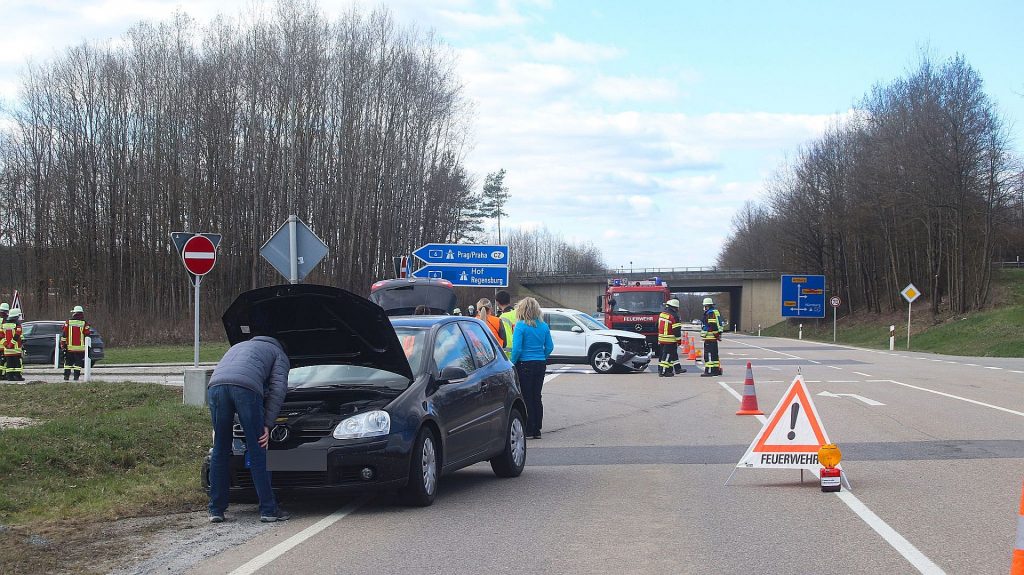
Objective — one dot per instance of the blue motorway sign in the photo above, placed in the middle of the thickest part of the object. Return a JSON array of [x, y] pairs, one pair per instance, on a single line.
[[475, 276], [455, 254], [803, 296]]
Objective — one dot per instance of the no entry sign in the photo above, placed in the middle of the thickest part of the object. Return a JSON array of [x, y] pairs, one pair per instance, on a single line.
[[199, 255]]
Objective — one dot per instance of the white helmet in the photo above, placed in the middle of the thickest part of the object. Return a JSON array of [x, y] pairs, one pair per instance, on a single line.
[[708, 301], [5, 306], [456, 311], [673, 303], [16, 312], [77, 309]]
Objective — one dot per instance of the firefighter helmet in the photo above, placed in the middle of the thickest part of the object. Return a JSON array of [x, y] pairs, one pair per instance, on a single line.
[[5, 306], [708, 301], [16, 312], [673, 303], [77, 309]]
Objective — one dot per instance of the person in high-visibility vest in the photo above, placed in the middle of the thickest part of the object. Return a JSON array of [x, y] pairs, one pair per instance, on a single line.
[[11, 329], [5, 308], [669, 333], [72, 342], [507, 314], [483, 312], [711, 333]]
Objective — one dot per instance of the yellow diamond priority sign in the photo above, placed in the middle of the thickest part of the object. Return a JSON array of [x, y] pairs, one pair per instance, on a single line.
[[910, 293]]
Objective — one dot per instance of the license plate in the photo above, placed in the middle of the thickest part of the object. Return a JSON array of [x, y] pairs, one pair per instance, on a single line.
[[297, 460]]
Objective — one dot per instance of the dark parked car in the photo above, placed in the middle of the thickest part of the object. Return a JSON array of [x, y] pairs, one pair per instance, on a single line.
[[38, 341], [377, 403], [402, 296]]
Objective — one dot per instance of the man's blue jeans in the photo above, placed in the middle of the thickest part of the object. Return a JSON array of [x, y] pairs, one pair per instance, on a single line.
[[225, 401]]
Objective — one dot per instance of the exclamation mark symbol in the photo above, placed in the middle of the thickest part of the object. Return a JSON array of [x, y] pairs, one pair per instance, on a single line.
[[793, 412]]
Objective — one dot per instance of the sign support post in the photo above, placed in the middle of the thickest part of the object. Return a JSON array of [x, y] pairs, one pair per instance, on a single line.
[[835, 301], [293, 260], [199, 254], [195, 341]]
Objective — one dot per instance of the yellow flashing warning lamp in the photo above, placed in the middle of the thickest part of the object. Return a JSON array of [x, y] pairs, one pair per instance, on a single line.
[[831, 477]]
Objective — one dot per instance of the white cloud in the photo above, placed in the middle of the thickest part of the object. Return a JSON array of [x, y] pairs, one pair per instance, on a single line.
[[618, 89], [563, 49]]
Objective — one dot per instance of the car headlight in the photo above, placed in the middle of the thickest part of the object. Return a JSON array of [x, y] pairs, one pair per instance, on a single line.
[[369, 424]]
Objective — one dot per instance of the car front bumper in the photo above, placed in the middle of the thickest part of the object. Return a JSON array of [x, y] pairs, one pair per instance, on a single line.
[[368, 465], [629, 359]]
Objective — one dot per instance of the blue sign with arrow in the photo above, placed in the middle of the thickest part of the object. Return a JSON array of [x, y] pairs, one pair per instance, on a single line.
[[803, 296], [457, 254], [464, 275]]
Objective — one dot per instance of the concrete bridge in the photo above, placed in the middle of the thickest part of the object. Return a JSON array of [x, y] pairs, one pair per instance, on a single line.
[[746, 298]]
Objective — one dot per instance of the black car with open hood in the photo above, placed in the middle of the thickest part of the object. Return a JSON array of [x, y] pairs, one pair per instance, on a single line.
[[375, 402]]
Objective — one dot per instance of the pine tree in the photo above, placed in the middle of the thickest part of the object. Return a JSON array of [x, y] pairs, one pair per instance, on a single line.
[[494, 197]]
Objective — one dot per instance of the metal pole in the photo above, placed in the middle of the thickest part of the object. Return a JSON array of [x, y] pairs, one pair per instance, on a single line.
[[88, 360], [909, 306], [892, 338], [293, 255], [195, 359], [833, 324]]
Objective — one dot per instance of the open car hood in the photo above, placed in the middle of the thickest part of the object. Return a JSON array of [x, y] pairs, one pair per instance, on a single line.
[[318, 325]]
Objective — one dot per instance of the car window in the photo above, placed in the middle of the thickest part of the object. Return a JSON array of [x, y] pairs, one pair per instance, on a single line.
[[483, 351], [559, 322], [414, 341], [588, 322], [40, 329], [451, 349]]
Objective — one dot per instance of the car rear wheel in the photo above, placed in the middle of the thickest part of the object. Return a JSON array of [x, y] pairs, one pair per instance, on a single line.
[[601, 359], [423, 471], [511, 461]]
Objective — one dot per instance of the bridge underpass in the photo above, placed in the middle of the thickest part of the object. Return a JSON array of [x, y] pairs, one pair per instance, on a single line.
[[746, 298]]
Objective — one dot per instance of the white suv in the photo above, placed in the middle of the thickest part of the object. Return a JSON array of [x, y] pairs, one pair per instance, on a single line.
[[580, 338]]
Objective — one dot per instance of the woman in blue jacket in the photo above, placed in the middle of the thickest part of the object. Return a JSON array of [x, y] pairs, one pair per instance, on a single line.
[[531, 346]]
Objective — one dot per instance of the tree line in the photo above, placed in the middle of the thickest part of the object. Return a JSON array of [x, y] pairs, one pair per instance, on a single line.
[[919, 185], [357, 125]]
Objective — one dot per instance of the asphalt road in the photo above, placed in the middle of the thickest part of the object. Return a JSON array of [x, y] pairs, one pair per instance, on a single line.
[[630, 478]]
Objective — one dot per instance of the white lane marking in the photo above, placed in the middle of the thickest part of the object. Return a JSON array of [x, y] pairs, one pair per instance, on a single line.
[[834, 367], [550, 376], [972, 364], [938, 360], [897, 541], [842, 381], [905, 548], [953, 362], [853, 395], [862, 373], [769, 350], [812, 361], [950, 395], [989, 367], [1015, 371], [265, 558]]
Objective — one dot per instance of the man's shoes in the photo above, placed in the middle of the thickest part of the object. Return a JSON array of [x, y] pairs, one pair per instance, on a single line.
[[66, 377], [279, 515], [681, 370], [706, 374], [217, 518]]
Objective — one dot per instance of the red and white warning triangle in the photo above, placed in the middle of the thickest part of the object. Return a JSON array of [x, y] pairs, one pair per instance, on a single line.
[[792, 436]]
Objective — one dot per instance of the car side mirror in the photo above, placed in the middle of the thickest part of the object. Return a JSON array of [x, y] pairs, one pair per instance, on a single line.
[[452, 374], [577, 329]]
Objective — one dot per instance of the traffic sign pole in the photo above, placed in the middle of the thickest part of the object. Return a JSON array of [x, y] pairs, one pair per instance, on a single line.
[[293, 249], [910, 306], [195, 354], [834, 324]]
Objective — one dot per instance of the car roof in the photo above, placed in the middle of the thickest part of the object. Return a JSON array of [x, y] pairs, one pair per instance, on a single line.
[[561, 309], [57, 321], [424, 320]]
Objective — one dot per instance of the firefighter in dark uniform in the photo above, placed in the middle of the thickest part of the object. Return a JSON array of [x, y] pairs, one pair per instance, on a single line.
[[12, 346], [72, 342], [711, 333], [669, 333]]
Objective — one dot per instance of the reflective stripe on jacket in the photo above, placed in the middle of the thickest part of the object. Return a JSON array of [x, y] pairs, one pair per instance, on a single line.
[[669, 328], [712, 326], [74, 333], [11, 338]]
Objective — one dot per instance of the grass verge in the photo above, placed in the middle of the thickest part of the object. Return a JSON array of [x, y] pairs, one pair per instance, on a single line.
[[102, 452], [996, 332], [208, 352]]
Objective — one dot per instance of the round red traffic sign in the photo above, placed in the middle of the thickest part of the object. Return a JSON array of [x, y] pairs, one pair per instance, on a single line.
[[834, 301], [199, 255]]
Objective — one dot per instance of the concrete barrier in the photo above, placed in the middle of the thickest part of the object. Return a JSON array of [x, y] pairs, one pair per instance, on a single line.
[[196, 379]]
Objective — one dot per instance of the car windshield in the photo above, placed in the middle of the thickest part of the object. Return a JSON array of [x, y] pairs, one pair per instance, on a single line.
[[639, 302], [40, 329], [413, 342], [588, 322]]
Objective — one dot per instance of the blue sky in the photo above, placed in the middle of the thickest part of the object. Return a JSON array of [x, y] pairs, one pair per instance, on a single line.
[[613, 118]]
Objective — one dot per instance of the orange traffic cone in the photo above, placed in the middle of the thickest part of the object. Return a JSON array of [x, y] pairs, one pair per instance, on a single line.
[[1017, 566], [748, 405], [686, 347], [693, 352]]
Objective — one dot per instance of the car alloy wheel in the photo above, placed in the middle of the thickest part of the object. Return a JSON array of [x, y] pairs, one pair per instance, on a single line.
[[601, 360], [429, 465], [517, 439]]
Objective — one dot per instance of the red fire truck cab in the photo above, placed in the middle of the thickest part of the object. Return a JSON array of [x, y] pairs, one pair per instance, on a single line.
[[634, 305]]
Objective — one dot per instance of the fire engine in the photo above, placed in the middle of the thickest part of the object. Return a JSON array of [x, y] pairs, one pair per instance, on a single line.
[[634, 305]]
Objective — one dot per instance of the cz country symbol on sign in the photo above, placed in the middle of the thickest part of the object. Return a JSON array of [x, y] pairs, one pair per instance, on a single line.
[[792, 436], [199, 255]]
